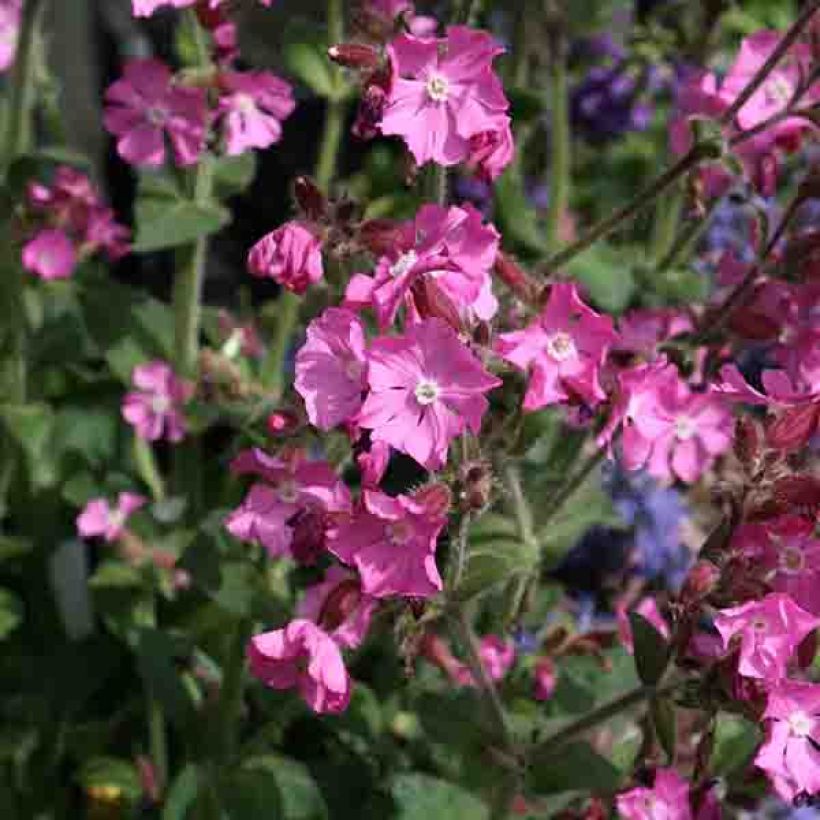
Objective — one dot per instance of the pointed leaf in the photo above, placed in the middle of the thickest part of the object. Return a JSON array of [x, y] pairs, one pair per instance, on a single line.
[[652, 650]]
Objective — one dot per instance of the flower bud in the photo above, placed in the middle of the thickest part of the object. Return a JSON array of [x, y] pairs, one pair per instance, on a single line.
[[291, 255], [309, 198], [433, 303], [477, 482], [799, 493], [514, 277], [793, 428], [700, 582], [281, 423], [340, 604], [355, 55], [436, 498]]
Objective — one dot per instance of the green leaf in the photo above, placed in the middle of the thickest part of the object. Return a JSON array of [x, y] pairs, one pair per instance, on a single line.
[[13, 547], [31, 426], [495, 556], [734, 744], [572, 767], [11, 613], [89, 431], [421, 797], [181, 794], [111, 772], [515, 217], [232, 175], [662, 711], [300, 796], [311, 65], [607, 275], [652, 650], [166, 219], [252, 793], [158, 654]]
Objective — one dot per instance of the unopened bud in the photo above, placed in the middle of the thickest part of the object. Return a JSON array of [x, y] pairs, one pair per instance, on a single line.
[[436, 498], [433, 303], [282, 422], [800, 493], [340, 604], [309, 198], [700, 582], [355, 55], [477, 480], [793, 428], [514, 277]]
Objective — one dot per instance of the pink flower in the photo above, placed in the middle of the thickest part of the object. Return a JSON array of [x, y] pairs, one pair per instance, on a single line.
[[331, 370], [497, 656], [444, 92], [451, 246], [790, 755], [99, 519], [50, 255], [339, 606], [426, 388], [643, 329], [563, 350], [253, 105], [10, 16], [287, 513], [546, 679], [145, 8], [769, 631], [492, 151], [145, 107], [648, 608], [291, 255], [668, 799], [392, 544], [303, 656], [154, 409]]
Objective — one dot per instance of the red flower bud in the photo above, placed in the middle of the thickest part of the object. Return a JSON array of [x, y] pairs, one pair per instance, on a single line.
[[309, 198], [433, 303], [355, 55], [339, 604], [701, 581], [800, 493], [282, 422], [514, 277], [793, 428]]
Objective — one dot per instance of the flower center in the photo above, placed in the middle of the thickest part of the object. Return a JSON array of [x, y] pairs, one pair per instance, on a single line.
[[779, 90], [156, 116], [160, 404], [288, 491], [426, 392], [438, 88], [792, 560], [800, 724], [399, 533], [561, 347], [760, 625], [244, 103], [685, 427], [404, 264], [116, 519]]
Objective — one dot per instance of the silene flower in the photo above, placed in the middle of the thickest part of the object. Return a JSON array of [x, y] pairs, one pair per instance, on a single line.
[[99, 519], [154, 407]]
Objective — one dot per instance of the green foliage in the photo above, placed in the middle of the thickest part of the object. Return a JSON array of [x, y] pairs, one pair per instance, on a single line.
[[420, 797], [652, 650], [573, 767]]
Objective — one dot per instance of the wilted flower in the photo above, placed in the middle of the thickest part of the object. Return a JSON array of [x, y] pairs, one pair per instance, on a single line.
[[291, 255]]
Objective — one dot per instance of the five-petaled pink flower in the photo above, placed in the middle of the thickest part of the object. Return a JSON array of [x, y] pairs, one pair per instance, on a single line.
[[443, 92], [302, 656], [50, 255], [145, 106], [563, 350], [668, 799], [426, 388], [790, 756], [145, 8], [291, 255], [99, 519], [769, 631], [392, 544], [252, 106], [154, 408], [340, 606], [10, 18], [331, 370]]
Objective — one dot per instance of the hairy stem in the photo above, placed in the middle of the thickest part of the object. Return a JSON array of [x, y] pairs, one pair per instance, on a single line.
[[560, 138], [230, 698]]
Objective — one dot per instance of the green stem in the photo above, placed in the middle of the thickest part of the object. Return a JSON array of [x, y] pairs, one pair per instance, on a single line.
[[686, 239], [560, 142], [667, 218], [331, 140], [602, 714], [627, 212], [273, 368], [156, 739], [230, 699]]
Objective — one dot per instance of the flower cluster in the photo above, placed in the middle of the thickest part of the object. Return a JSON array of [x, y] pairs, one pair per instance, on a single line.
[[68, 221]]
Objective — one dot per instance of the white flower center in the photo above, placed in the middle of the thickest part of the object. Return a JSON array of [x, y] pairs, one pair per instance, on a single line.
[[685, 427], [438, 88], [792, 560], [116, 519], [399, 533], [561, 347], [404, 264], [156, 116], [779, 90], [288, 491], [800, 724], [160, 404], [244, 103], [426, 392]]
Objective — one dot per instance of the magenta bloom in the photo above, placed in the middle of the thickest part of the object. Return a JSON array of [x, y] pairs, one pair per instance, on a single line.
[[648, 608], [769, 631], [497, 656], [392, 544], [99, 519], [563, 350], [50, 255], [426, 388], [305, 657], [287, 513], [145, 107], [546, 679], [145, 8], [252, 106], [331, 370], [154, 408], [339, 606], [492, 151], [668, 799], [443, 93], [790, 756], [291, 255], [451, 246], [10, 16]]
